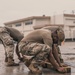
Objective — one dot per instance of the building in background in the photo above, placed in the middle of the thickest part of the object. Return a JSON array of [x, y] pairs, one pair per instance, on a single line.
[[68, 20], [25, 25], [48, 25]]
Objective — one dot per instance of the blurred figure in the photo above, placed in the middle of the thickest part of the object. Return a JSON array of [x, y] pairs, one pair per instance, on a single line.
[[8, 35]]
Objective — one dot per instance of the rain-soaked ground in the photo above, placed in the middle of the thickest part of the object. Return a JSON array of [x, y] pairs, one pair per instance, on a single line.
[[68, 53]]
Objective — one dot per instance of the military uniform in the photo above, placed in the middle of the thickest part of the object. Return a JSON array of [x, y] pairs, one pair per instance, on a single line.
[[37, 46], [7, 35]]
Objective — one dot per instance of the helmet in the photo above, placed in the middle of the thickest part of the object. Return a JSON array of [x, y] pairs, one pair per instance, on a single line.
[[59, 31], [61, 35]]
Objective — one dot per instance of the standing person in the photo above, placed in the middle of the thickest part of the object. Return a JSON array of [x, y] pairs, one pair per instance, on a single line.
[[38, 46], [8, 35]]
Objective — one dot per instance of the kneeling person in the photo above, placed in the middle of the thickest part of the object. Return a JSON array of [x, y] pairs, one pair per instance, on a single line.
[[36, 47]]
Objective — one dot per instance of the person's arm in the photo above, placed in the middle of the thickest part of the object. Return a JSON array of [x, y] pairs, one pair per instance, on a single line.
[[18, 54], [55, 53], [47, 38]]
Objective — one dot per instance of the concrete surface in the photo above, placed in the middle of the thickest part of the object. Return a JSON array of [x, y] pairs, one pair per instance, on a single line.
[[68, 53]]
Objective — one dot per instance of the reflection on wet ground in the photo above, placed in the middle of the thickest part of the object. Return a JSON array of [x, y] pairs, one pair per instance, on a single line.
[[68, 53]]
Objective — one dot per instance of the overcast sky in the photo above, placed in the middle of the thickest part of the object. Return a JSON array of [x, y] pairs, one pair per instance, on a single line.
[[17, 9]]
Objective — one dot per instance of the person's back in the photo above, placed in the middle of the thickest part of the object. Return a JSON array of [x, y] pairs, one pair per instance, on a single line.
[[39, 36], [36, 48], [15, 34]]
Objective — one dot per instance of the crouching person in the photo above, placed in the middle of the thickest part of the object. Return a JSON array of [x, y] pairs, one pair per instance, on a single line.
[[36, 47]]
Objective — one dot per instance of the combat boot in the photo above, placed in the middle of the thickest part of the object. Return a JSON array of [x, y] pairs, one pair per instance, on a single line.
[[34, 68], [11, 63], [6, 59]]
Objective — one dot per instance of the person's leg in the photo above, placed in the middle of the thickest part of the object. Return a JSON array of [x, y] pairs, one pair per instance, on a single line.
[[9, 49], [60, 57], [37, 54], [29, 51], [40, 53], [59, 54], [43, 55], [18, 53]]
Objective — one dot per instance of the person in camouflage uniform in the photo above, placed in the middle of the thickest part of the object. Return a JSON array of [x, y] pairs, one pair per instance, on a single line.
[[8, 35], [38, 46]]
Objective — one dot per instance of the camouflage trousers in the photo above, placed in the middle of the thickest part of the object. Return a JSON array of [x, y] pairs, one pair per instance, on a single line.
[[59, 54], [7, 42], [38, 51]]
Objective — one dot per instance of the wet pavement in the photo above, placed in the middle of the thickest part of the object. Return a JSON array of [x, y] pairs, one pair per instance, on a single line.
[[68, 54]]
